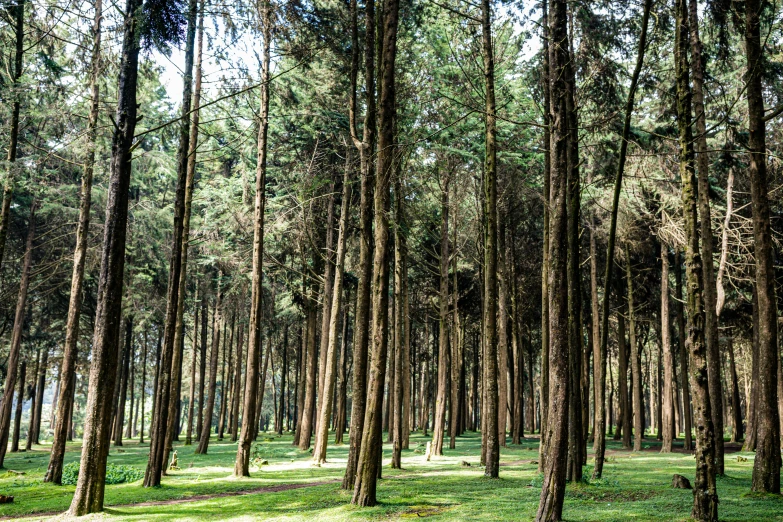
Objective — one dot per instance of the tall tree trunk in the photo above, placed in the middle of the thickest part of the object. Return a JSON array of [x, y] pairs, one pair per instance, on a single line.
[[162, 427], [326, 297], [366, 148], [369, 456], [544, 385], [550, 507], [88, 497], [18, 411], [599, 358], [330, 370], [668, 431], [202, 372], [439, 422], [575, 350], [407, 389], [600, 446], [12, 364], [119, 418], [456, 347], [194, 359], [225, 385], [209, 407], [249, 422], [683, 355], [143, 397], [34, 402], [705, 496], [736, 408], [395, 395], [310, 377], [504, 384], [636, 362], [238, 382], [492, 449], [707, 240], [766, 465], [13, 141], [625, 413], [54, 472]]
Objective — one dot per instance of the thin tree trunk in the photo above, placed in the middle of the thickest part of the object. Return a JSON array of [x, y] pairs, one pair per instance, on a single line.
[[544, 385], [492, 449], [766, 465], [550, 507], [202, 373], [330, 370], [12, 364], [636, 363], [625, 412], [13, 141], [209, 408], [439, 422], [600, 446], [707, 240], [705, 496], [119, 418], [142, 398], [54, 472], [736, 408], [668, 431], [88, 497], [249, 421], [683, 355], [238, 382], [368, 464], [194, 358], [366, 148], [395, 394], [34, 402], [18, 411]]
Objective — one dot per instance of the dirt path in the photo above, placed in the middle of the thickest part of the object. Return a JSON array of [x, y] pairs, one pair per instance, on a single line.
[[194, 498]]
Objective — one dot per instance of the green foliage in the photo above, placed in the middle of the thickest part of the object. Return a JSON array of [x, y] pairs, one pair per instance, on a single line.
[[115, 474]]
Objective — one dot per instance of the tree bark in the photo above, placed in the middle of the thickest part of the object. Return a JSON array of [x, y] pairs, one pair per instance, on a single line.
[[439, 422], [705, 496], [683, 355], [88, 497], [668, 431], [12, 364], [249, 422], [707, 240], [192, 394], [18, 411], [636, 356], [54, 472], [395, 395], [736, 408], [546, 87], [119, 418], [330, 370], [13, 141], [625, 413], [209, 408], [162, 427], [492, 449], [369, 456], [238, 382], [366, 148], [550, 507], [600, 446], [766, 465]]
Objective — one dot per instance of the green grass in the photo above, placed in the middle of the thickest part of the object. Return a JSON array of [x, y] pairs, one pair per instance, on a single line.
[[636, 486]]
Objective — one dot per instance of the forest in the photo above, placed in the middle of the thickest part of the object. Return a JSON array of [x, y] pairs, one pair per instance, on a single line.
[[389, 259]]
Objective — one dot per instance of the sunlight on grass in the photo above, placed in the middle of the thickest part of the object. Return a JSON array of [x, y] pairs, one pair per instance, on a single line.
[[635, 486]]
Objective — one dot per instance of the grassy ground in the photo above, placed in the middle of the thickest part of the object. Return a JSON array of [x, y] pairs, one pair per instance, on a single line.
[[636, 486]]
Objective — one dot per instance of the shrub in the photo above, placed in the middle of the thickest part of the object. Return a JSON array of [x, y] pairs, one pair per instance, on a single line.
[[114, 474]]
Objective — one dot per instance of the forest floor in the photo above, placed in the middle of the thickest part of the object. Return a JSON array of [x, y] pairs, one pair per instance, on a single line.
[[636, 486]]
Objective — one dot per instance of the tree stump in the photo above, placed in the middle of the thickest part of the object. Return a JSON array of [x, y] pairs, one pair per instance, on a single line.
[[680, 482]]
